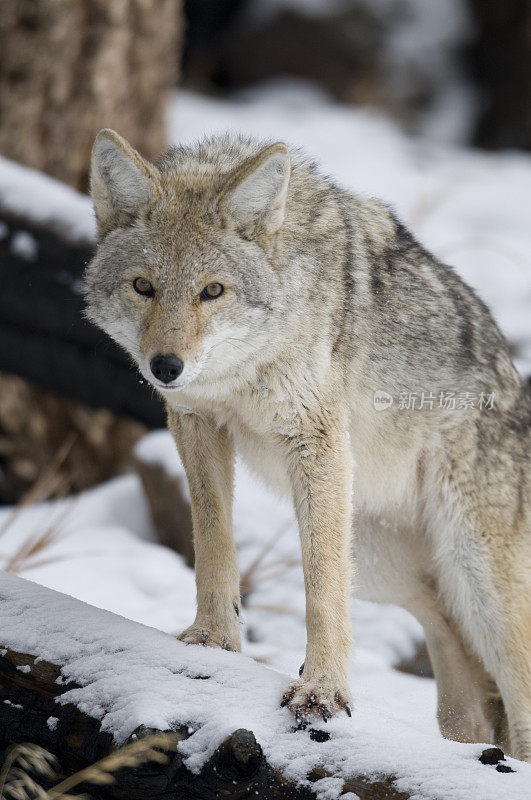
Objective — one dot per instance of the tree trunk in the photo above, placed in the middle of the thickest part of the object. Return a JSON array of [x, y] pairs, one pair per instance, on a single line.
[[69, 68]]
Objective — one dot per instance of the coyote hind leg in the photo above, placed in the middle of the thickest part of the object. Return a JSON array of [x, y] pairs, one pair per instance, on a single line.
[[461, 710], [495, 713], [512, 672]]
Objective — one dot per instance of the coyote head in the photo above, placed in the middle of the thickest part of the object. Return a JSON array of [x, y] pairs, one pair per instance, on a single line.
[[184, 276]]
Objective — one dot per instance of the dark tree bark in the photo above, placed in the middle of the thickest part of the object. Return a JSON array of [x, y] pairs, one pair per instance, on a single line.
[[69, 68], [45, 338], [501, 59], [342, 52]]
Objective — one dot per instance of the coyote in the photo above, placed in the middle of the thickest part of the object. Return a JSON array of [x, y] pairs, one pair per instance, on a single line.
[[303, 326]]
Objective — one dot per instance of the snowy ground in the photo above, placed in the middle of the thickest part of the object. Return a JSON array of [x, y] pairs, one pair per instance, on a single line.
[[472, 210]]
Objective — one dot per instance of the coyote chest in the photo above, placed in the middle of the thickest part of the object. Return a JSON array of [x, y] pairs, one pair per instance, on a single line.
[[265, 421], [259, 424], [389, 549]]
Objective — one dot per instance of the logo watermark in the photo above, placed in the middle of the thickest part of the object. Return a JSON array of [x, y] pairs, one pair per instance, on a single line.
[[382, 400], [427, 401]]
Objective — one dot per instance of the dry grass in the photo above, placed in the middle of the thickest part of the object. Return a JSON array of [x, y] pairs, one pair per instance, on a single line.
[[25, 763], [36, 544], [50, 483], [32, 551], [15, 779], [35, 424]]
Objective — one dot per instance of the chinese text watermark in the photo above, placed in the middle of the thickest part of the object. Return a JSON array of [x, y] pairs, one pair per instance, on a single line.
[[427, 401]]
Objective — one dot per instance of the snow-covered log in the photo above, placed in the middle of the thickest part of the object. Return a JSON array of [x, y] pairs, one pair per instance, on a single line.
[[81, 681], [61, 693]]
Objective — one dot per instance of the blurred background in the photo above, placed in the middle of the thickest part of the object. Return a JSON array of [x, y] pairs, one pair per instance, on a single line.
[[426, 103]]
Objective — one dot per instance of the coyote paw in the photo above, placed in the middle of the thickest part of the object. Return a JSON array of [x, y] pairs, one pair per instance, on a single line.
[[315, 697], [211, 637]]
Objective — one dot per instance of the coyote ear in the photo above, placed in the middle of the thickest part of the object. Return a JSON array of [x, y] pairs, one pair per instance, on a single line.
[[121, 182], [254, 200]]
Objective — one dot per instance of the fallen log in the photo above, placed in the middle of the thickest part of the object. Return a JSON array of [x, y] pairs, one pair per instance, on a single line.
[[47, 235], [30, 713], [237, 769], [44, 336], [33, 691], [81, 682]]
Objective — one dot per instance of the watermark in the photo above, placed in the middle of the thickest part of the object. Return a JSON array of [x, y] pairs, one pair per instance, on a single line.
[[382, 400], [428, 401]]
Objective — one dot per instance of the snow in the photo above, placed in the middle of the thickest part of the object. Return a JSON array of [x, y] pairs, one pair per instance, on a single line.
[[14, 705], [472, 210], [159, 449], [46, 202], [166, 688], [24, 245]]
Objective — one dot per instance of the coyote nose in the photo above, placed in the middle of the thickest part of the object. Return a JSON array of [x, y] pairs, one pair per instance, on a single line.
[[166, 368]]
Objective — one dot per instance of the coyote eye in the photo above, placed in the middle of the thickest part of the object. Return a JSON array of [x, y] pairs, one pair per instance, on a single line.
[[142, 286], [211, 291]]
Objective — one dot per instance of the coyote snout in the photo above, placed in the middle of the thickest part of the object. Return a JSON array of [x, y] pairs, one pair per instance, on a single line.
[[166, 368]]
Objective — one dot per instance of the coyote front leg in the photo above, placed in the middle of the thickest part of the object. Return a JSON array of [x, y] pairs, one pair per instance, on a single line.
[[208, 457], [321, 472]]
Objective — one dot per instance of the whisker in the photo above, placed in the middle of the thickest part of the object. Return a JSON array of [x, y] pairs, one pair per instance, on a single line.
[[231, 341]]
